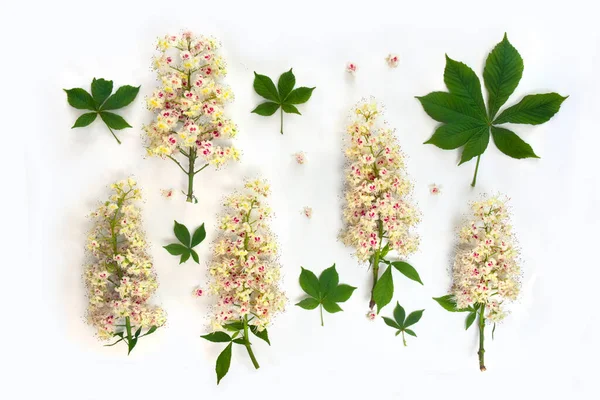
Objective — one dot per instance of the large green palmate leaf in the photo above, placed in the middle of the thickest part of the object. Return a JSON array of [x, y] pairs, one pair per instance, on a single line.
[[467, 123]]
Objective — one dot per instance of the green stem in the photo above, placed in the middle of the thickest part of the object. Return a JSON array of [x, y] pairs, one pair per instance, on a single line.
[[403, 339], [190, 174], [248, 345], [115, 136], [476, 169], [481, 337], [375, 277], [321, 310], [281, 129]]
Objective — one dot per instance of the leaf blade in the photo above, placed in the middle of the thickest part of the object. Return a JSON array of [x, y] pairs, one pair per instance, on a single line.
[[182, 233], [448, 108], [266, 109], [121, 98], [101, 89], [328, 280], [308, 304], [399, 315], [309, 283], [290, 109], [300, 95], [217, 337], [175, 249], [384, 289], [413, 318], [476, 145], [341, 293], [80, 99], [330, 306], [223, 363], [85, 120], [469, 320], [502, 72], [463, 82], [407, 270], [264, 86], [454, 135], [533, 109], [114, 121], [285, 84], [264, 335], [512, 145], [199, 236], [390, 322]]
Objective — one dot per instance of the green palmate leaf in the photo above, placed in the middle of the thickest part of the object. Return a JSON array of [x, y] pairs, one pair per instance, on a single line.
[[454, 135], [447, 107], [101, 89], [239, 341], [328, 280], [113, 120], [399, 315], [391, 322], [264, 86], [448, 302], [309, 283], [264, 335], [502, 73], [299, 96], [384, 289], [410, 332], [219, 337], [175, 249], [407, 270], [533, 109], [463, 109], [185, 256], [122, 97], [290, 109], [341, 293], [266, 109], [85, 120], [182, 233], [476, 145], [330, 306], [199, 236], [413, 318], [223, 363], [470, 319], [80, 99], [510, 144], [308, 304], [283, 96], [462, 82], [286, 83], [195, 256]]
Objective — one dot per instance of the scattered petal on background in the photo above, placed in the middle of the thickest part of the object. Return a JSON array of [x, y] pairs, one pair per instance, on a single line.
[[392, 60], [168, 193], [435, 189], [351, 68], [300, 157], [308, 212]]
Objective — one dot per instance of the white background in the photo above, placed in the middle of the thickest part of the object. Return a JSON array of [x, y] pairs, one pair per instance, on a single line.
[[547, 346]]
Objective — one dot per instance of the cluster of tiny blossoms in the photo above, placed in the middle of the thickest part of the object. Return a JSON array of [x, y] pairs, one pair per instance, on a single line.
[[485, 268], [121, 279], [244, 267], [190, 102], [376, 189]]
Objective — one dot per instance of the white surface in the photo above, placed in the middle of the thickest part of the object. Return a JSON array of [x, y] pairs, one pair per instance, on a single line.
[[545, 348]]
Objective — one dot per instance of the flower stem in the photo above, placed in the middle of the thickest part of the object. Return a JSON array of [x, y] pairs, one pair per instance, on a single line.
[[281, 129], [190, 174], [248, 345], [375, 277], [115, 136], [476, 169], [321, 310], [481, 337]]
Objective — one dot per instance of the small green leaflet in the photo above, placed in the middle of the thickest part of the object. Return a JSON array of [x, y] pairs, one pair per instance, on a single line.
[[187, 243], [401, 322], [467, 123], [284, 95], [325, 292], [448, 302], [384, 288], [238, 336], [99, 102], [130, 338]]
